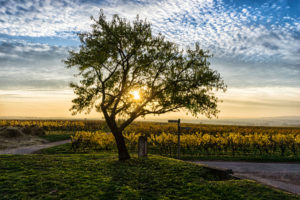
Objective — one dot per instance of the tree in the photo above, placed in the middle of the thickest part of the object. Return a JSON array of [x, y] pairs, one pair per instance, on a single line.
[[127, 72]]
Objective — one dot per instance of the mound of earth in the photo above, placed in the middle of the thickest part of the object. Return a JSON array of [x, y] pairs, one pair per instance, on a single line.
[[11, 137], [11, 132], [33, 130]]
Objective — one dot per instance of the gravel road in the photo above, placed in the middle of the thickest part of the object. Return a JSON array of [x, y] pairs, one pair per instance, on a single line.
[[285, 176], [32, 148]]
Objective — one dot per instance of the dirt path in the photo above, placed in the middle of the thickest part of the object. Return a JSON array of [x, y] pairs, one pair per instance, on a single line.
[[32, 148], [285, 176]]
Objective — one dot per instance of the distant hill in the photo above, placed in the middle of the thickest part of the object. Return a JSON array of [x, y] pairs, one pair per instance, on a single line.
[[265, 121], [290, 121]]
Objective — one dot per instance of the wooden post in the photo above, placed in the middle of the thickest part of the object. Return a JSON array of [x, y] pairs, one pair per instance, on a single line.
[[178, 150], [178, 135]]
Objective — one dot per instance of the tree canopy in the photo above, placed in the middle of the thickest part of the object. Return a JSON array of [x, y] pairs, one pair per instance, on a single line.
[[128, 72]]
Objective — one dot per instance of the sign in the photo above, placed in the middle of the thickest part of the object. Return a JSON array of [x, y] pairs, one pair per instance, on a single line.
[[178, 129], [173, 121], [186, 128]]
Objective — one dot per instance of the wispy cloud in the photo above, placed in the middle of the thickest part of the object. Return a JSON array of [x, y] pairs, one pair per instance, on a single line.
[[256, 44], [245, 39], [256, 102], [245, 33], [27, 65], [251, 33], [45, 18]]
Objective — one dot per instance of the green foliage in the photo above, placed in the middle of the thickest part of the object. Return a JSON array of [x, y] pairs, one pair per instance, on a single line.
[[100, 176], [118, 57]]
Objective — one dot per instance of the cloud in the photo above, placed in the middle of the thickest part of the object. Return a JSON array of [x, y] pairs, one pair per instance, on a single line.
[[45, 18], [253, 44], [245, 75], [260, 102], [28, 65], [270, 46], [259, 32]]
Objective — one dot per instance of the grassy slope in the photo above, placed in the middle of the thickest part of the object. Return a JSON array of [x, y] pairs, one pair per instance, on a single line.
[[53, 136], [101, 176]]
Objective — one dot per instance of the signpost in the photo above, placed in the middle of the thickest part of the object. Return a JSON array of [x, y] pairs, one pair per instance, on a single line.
[[178, 144], [179, 130], [186, 128]]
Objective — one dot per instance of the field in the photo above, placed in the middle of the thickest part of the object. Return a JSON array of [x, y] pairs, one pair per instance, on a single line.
[[101, 176], [88, 167], [209, 142]]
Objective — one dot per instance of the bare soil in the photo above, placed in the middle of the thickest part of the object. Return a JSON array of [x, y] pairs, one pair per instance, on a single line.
[[13, 137], [32, 148]]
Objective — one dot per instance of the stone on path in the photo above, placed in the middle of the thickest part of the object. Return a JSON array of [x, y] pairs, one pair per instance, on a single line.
[[142, 146]]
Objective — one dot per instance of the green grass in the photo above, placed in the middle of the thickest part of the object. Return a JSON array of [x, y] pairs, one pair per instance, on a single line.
[[53, 136], [66, 149], [59, 149], [101, 176], [252, 158]]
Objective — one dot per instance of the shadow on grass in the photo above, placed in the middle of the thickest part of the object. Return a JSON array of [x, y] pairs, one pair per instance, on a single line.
[[150, 178], [101, 176]]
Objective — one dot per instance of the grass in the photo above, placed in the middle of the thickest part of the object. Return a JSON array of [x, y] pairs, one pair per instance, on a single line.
[[59, 149], [53, 136], [252, 158], [101, 176]]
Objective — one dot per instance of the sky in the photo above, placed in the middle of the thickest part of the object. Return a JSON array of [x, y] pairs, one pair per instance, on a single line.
[[255, 47]]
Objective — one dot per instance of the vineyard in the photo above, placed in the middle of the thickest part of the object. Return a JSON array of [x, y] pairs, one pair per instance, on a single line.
[[162, 138], [58, 125]]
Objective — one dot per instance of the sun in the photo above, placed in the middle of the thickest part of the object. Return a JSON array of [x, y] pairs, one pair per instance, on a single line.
[[136, 95]]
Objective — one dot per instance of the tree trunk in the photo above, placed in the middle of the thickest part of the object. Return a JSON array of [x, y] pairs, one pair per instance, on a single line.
[[122, 150]]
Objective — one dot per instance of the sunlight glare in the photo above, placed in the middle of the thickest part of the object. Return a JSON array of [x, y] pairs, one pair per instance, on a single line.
[[136, 95]]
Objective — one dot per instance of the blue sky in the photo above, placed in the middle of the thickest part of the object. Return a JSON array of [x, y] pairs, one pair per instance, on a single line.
[[256, 46]]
